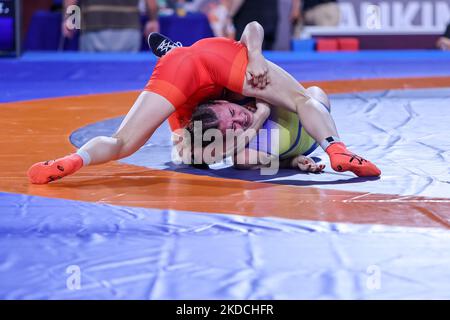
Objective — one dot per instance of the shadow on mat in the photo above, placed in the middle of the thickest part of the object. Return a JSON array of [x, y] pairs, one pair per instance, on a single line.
[[255, 176]]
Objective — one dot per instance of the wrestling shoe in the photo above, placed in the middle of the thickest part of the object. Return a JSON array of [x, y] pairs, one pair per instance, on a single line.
[[48, 171], [160, 44], [343, 160]]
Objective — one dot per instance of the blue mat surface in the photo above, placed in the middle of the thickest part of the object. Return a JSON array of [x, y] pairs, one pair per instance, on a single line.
[[49, 246]]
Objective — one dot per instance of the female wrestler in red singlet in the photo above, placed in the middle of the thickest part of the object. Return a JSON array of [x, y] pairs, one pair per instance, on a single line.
[[188, 76]]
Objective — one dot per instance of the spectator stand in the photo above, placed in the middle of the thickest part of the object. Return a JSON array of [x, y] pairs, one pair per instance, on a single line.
[[44, 33]]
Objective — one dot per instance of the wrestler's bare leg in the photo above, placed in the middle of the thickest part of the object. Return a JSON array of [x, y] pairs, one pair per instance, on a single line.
[[320, 95], [146, 115]]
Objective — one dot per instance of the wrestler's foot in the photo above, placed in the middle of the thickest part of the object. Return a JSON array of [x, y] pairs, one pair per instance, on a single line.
[[48, 171], [343, 160], [160, 44]]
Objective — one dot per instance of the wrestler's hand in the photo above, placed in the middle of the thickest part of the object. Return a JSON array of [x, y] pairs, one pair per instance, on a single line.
[[306, 164], [257, 70], [262, 109]]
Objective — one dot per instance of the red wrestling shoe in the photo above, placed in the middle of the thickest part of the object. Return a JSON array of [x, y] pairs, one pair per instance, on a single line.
[[343, 160], [48, 171]]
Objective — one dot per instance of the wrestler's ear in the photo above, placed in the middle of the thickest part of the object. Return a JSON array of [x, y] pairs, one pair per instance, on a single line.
[[248, 76]]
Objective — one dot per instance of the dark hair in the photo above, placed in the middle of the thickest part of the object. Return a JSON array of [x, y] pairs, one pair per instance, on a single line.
[[207, 117], [209, 120]]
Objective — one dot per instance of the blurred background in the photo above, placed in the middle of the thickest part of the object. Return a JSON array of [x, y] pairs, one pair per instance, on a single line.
[[290, 25]]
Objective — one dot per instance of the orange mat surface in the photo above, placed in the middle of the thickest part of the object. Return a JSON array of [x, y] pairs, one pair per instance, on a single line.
[[39, 130]]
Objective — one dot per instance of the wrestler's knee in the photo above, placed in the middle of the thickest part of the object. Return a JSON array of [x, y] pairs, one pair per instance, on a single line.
[[320, 95], [315, 91], [312, 104], [123, 146]]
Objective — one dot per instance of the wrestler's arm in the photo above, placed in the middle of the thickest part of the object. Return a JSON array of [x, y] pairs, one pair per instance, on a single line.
[[250, 159], [253, 37], [257, 68]]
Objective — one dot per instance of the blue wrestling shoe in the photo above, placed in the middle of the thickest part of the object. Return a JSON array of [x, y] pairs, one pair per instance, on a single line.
[[160, 44]]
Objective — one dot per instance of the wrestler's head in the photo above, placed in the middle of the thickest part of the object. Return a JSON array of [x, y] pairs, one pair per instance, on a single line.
[[223, 115]]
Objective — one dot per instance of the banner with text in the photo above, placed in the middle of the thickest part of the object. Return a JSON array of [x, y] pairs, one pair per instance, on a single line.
[[395, 14]]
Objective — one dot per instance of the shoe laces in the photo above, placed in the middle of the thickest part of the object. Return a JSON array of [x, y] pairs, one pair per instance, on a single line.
[[353, 156], [166, 45]]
